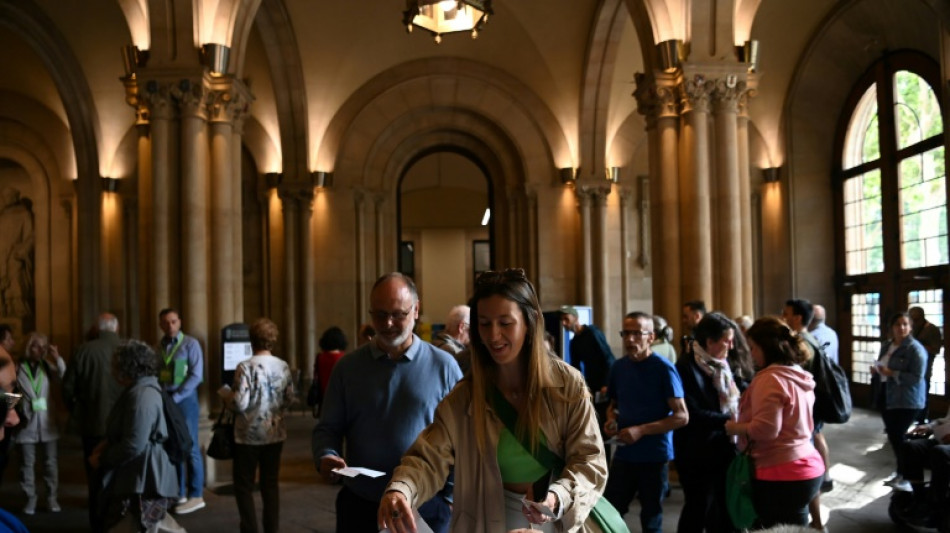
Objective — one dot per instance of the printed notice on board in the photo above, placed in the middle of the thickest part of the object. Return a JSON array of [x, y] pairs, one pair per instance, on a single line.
[[235, 352]]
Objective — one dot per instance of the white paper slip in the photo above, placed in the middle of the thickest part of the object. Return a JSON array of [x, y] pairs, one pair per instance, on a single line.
[[353, 471], [540, 507], [421, 526], [614, 441]]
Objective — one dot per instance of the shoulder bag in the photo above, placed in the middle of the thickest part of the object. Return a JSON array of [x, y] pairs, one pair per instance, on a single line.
[[603, 514], [221, 446], [739, 478]]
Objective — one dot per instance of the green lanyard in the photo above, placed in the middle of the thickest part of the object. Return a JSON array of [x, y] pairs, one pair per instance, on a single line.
[[167, 356], [37, 383]]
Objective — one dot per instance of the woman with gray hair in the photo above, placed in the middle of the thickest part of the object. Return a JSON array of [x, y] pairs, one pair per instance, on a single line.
[[139, 481], [40, 373]]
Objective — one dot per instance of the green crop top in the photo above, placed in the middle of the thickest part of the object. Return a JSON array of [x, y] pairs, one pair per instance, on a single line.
[[515, 463]]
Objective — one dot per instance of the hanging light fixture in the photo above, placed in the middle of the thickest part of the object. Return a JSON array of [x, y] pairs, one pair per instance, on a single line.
[[446, 16]]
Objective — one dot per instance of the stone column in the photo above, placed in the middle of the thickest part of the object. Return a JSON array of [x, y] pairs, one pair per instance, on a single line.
[[288, 201], [194, 223], [626, 195], [584, 199], [378, 200], [163, 112], [222, 208], [237, 222], [359, 199], [144, 263], [532, 259], [745, 204], [727, 200], [307, 285], [658, 101], [598, 238], [695, 218]]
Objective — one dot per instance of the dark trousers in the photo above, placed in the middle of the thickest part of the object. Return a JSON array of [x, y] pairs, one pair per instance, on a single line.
[[921, 454], [896, 422], [247, 458], [704, 489], [356, 515], [94, 483], [647, 482], [783, 502]]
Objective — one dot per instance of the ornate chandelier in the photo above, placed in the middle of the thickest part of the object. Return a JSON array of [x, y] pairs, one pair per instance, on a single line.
[[446, 16]]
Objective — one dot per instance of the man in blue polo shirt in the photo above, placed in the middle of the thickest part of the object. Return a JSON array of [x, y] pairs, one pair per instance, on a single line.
[[380, 397], [646, 405]]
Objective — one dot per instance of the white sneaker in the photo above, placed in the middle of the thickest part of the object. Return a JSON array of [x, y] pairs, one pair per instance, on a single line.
[[902, 485], [190, 506], [30, 507], [53, 505], [181, 500]]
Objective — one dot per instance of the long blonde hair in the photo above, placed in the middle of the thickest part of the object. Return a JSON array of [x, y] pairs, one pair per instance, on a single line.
[[512, 285]]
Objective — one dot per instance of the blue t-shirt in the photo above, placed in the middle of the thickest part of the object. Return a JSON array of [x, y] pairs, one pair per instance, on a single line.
[[642, 392]]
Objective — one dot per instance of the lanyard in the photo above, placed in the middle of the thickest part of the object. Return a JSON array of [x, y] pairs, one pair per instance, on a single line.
[[167, 356], [37, 383]]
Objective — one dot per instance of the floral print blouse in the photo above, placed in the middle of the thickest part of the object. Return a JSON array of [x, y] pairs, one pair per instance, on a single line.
[[264, 389]]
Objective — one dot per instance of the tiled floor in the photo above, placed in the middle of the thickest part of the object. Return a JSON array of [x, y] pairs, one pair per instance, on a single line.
[[857, 504]]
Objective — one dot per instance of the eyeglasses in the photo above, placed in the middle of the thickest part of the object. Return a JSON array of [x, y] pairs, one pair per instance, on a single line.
[[639, 333], [396, 316], [492, 277]]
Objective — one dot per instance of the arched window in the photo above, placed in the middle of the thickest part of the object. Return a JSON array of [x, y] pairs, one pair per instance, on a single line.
[[891, 187]]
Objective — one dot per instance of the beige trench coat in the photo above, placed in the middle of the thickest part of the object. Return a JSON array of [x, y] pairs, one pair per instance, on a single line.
[[571, 431]]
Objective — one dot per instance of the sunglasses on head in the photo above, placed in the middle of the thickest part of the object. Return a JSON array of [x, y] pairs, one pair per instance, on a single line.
[[10, 400]]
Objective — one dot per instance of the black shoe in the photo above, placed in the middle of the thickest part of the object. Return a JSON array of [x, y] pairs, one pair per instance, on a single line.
[[827, 485]]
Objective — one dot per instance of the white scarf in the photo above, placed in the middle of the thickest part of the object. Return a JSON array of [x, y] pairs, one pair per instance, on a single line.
[[721, 374]]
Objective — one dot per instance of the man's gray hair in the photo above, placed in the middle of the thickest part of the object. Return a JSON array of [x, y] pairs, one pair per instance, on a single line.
[[108, 322], [457, 315]]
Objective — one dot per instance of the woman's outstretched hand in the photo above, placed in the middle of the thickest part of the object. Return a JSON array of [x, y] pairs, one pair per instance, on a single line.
[[395, 513]]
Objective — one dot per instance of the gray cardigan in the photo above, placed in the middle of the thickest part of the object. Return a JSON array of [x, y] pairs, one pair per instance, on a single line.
[[134, 460], [41, 426]]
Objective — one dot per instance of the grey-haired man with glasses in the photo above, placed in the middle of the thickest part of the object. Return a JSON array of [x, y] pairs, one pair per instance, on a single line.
[[380, 397]]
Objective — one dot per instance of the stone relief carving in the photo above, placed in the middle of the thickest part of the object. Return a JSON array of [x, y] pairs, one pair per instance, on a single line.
[[17, 268]]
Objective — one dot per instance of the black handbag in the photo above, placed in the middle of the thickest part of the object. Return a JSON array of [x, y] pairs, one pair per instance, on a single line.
[[221, 446]]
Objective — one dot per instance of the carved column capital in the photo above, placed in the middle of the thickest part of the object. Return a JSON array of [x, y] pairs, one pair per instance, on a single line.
[[228, 100], [192, 98], [726, 94], [695, 94], [625, 193], [160, 100]]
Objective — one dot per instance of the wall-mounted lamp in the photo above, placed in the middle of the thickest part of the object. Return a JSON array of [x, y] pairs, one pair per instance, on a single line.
[[613, 174], [273, 179], [771, 174], [133, 59], [110, 184], [322, 179], [568, 175], [748, 53], [215, 58], [672, 53]]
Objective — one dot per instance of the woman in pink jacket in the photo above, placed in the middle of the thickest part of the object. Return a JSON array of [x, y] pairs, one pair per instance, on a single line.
[[775, 419]]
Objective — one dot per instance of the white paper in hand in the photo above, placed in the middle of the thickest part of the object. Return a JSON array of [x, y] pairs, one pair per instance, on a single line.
[[353, 471], [421, 526], [540, 507]]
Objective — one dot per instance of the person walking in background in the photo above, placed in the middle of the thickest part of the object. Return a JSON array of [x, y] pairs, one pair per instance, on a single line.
[[516, 399], [40, 374], [90, 391], [901, 365], [702, 447], [139, 482], [182, 370], [646, 405], [332, 347], [929, 336], [454, 338], [383, 392], [263, 390], [775, 420], [663, 341]]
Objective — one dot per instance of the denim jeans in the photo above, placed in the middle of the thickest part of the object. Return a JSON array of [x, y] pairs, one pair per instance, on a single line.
[[191, 473], [646, 481]]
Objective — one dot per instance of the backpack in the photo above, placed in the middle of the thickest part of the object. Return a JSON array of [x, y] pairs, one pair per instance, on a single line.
[[178, 444], [832, 391]]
